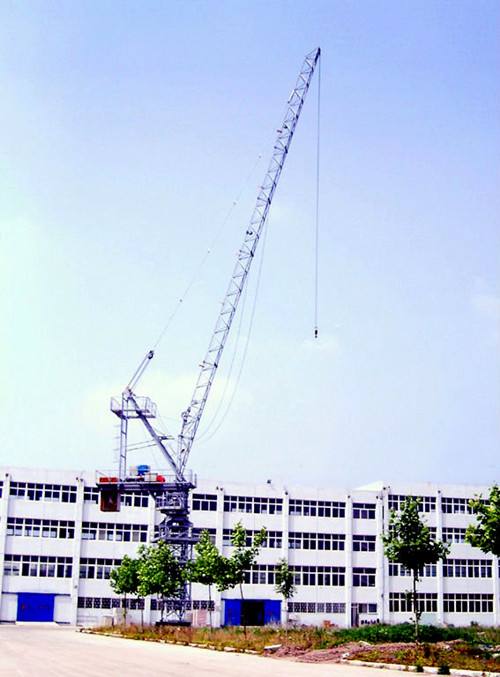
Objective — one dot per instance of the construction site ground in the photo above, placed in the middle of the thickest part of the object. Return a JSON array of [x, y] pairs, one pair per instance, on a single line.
[[55, 651]]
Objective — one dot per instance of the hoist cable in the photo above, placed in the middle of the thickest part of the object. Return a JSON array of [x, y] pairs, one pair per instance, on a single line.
[[316, 238]]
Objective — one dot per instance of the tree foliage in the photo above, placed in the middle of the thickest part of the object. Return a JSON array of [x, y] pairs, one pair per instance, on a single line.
[[159, 571], [409, 541], [284, 578], [124, 580], [207, 567], [486, 533]]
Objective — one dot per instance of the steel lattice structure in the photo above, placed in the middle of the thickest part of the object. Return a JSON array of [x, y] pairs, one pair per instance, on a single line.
[[172, 492]]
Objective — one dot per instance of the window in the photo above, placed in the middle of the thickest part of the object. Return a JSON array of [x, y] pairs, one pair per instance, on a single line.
[[429, 570], [44, 528], [109, 603], [261, 574], [363, 577], [401, 602], [34, 491], [43, 566], [364, 511], [426, 503], [100, 568], [313, 607], [134, 499], [467, 568], [364, 543], [104, 531], [273, 539], [365, 608], [315, 541], [318, 575], [204, 502], [196, 531], [310, 508], [467, 602], [255, 504], [453, 535], [91, 495], [456, 505]]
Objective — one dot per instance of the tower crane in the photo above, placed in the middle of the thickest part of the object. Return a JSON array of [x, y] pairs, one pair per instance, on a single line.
[[171, 491]]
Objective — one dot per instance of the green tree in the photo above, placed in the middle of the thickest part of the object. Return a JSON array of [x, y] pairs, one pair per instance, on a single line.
[[160, 573], [207, 567], [285, 584], [409, 542], [486, 533], [241, 560], [124, 580]]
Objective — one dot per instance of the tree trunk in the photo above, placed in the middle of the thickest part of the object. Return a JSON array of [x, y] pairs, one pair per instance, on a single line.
[[124, 603], [416, 611], [210, 605], [243, 616]]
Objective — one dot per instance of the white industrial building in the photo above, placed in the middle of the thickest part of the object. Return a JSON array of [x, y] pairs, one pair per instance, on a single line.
[[57, 548]]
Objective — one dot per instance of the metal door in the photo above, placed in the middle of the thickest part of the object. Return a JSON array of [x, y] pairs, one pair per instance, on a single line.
[[272, 611], [232, 612], [35, 606]]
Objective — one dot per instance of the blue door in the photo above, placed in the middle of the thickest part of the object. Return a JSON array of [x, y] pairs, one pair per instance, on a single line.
[[232, 612], [272, 611], [34, 606]]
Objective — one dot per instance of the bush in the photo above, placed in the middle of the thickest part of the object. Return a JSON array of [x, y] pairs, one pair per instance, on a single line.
[[419, 668], [443, 670]]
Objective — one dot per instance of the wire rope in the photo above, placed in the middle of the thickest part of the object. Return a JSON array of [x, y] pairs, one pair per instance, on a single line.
[[316, 234]]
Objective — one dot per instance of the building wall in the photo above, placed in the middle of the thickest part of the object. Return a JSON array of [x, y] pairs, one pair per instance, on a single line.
[[54, 539]]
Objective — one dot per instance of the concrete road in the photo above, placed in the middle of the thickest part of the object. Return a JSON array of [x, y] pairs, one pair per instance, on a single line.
[[52, 651]]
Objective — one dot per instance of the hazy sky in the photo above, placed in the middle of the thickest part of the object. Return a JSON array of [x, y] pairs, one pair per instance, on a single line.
[[128, 129]]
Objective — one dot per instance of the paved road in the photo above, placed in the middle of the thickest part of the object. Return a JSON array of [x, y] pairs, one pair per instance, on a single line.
[[52, 651]]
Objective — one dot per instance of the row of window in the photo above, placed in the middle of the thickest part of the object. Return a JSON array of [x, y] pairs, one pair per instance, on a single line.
[[136, 603], [44, 566], [254, 504], [429, 570], [453, 602], [38, 491], [402, 602], [110, 603], [35, 491], [310, 508], [426, 503], [265, 574], [170, 605], [128, 499], [273, 539], [317, 607], [313, 541], [467, 602], [40, 528], [467, 568], [108, 531]]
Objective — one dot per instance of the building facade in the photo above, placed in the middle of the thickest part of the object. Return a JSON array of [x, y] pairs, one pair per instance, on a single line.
[[57, 549]]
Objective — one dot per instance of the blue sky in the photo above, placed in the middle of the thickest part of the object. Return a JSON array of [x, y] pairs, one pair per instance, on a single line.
[[128, 131]]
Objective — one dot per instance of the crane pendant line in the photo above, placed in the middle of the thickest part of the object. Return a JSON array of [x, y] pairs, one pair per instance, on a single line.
[[192, 416]]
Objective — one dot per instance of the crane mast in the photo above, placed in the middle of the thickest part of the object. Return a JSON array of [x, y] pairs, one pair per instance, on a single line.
[[171, 492]]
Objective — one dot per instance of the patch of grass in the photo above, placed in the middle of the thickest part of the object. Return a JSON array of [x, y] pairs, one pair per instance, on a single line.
[[473, 651]]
